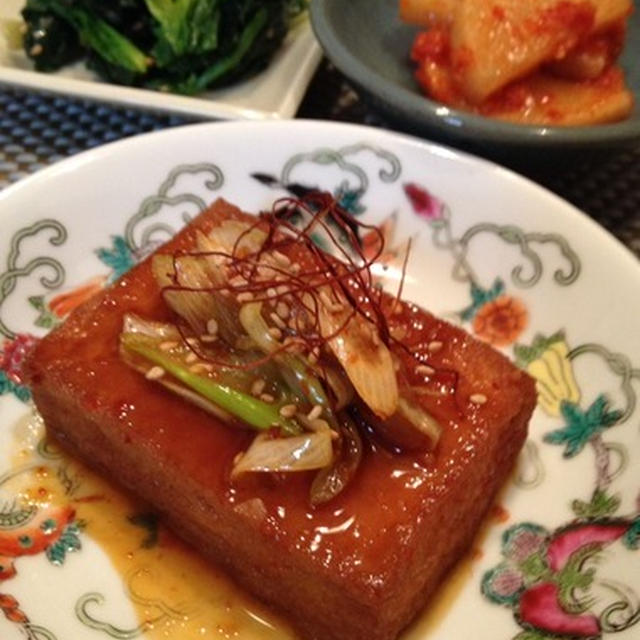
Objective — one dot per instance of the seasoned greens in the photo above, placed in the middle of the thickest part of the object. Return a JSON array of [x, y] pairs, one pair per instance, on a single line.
[[184, 46]]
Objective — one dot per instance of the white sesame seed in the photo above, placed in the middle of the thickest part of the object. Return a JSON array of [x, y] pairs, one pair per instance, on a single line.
[[192, 342], [271, 292], [315, 413], [277, 320], [398, 332], [191, 358], [36, 50], [434, 346], [275, 333], [282, 309], [329, 304], [212, 326], [425, 370], [238, 281], [325, 299], [258, 387], [208, 338], [245, 296], [264, 272], [167, 345], [266, 397], [201, 367], [288, 410], [155, 373], [281, 259], [478, 398]]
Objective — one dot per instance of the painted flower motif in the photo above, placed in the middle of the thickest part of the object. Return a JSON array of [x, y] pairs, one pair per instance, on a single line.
[[11, 609], [425, 204], [51, 530], [545, 579], [370, 243], [64, 303], [12, 355], [349, 200], [540, 608], [27, 532], [521, 542], [119, 257], [581, 426], [507, 583], [500, 321], [523, 549], [547, 360]]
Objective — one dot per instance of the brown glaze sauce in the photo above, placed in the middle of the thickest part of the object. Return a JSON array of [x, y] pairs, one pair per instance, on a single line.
[[174, 592], [167, 577], [369, 530]]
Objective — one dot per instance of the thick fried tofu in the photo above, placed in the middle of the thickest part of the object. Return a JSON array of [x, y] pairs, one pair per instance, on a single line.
[[359, 567]]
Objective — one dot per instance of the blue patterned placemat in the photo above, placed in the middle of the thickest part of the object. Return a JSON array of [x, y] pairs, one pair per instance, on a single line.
[[38, 129]]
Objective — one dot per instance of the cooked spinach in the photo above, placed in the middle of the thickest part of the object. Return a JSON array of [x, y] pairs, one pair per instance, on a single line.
[[184, 46]]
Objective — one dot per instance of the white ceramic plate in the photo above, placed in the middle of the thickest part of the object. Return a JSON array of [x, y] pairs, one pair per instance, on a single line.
[[509, 261], [272, 94]]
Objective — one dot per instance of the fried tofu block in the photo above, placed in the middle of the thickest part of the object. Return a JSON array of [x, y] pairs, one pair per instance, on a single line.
[[358, 567], [494, 43]]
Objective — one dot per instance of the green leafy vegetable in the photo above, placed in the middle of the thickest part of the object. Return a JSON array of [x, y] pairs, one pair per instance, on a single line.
[[96, 34], [186, 26], [177, 45]]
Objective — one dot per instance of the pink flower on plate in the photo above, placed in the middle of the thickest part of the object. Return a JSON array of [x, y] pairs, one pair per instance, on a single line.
[[524, 543], [12, 355], [425, 204], [540, 607]]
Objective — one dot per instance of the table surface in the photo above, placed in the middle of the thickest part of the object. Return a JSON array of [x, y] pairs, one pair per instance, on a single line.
[[37, 130]]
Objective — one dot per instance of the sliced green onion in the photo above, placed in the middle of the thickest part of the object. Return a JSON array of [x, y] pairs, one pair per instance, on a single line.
[[297, 373], [332, 479], [366, 361], [253, 411], [298, 453]]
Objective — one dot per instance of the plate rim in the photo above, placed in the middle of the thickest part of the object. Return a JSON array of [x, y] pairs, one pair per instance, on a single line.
[[95, 154]]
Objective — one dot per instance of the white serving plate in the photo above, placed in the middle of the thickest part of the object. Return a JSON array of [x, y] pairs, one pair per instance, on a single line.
[[508, 260]]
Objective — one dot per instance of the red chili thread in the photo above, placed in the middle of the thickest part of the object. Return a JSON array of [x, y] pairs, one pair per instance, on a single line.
[[343, 276]]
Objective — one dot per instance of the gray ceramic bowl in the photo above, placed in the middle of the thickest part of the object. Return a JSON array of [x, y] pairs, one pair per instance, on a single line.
[[367, 42]]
